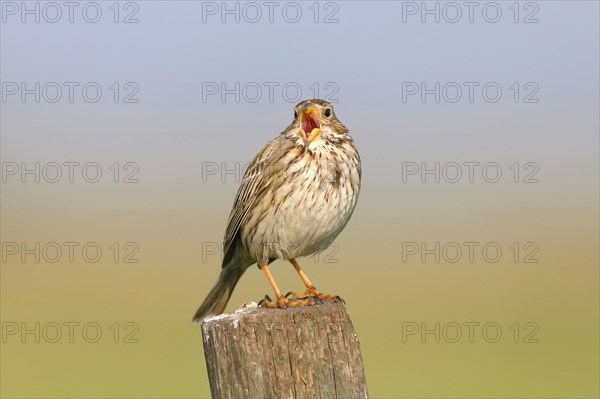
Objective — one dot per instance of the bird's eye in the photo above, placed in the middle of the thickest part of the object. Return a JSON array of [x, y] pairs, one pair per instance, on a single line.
[[328, 112], [295, 115]]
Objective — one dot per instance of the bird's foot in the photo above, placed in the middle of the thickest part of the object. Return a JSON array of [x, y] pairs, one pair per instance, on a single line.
[[311, 292], [283, 303]]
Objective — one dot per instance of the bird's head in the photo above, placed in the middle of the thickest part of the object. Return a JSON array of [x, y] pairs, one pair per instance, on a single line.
[[314, 118]]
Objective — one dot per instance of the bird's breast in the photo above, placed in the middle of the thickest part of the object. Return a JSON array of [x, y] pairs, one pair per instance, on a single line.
[[305, 206]]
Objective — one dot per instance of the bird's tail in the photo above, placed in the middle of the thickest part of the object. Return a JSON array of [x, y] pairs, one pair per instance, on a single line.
[[218, 297]]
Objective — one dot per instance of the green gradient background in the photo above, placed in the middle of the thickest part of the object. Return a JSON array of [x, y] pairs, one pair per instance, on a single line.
[[171, 212]]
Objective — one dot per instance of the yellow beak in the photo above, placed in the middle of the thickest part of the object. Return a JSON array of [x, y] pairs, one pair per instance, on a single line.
[[310, 125]]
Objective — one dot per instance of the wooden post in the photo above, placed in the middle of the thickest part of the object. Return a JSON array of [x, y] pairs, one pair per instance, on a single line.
[[302, 352]]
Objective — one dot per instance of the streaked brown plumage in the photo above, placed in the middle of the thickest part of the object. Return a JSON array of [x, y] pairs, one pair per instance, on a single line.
[[295, 198]]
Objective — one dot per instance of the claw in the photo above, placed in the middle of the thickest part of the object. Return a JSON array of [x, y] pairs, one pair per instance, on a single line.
[[283, 303], [312, 292], [297, 295], [264, 301], [296, 302]]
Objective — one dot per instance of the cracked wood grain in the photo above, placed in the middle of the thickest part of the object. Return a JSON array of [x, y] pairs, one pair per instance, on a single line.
[[303, 352]]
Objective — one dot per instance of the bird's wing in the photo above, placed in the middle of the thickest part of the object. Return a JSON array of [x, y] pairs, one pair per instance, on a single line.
[[257, 179]]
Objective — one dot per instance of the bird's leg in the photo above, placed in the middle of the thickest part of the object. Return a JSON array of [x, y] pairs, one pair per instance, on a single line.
[[280, 301], [311, 291]]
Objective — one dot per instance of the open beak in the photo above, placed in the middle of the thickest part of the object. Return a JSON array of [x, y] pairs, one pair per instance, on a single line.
[[310, 126]]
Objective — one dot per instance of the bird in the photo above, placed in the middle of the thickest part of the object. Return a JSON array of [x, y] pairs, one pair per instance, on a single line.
[[295, 197]]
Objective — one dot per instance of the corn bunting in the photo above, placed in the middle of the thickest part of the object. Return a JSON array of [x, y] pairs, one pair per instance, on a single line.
[[296, 196]]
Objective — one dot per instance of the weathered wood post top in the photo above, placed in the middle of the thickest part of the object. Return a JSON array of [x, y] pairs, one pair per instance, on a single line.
[[299, 352]]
